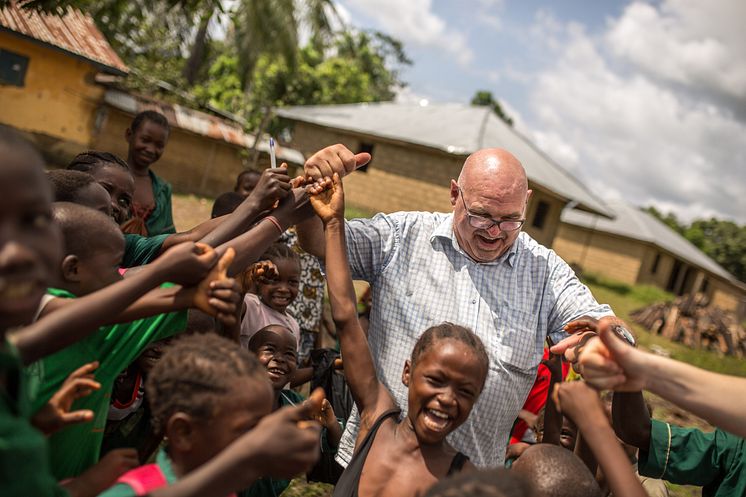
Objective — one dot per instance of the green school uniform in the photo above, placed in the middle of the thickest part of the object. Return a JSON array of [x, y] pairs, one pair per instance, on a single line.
[[161, 220], [24, 459], [124, 490], [77, 447], [141, 250], [687, 456]]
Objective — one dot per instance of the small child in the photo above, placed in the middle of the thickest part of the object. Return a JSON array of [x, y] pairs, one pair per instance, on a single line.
[[445, 376], [276, 348], [206, 393], [226, 203], [79, 188], [146, 138], [276, 287], [246, 182]]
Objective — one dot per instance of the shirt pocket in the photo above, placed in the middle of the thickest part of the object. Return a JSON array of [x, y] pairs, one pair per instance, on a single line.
[[516, 344]]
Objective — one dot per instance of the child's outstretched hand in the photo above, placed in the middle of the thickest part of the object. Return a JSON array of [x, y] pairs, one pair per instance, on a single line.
[[263, 271], [327, 198], [218, 295], [579, 402], [187, 263], [273, 185], [56, 414]]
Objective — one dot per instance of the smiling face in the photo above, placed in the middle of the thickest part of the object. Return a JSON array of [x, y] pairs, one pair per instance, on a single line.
[[120, 185], [146, 144], [30, 243], [492, 184], [280, 292], [443, 386], [277, 350]]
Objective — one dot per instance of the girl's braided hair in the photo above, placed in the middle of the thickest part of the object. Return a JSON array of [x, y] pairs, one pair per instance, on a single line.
[[91, 159]]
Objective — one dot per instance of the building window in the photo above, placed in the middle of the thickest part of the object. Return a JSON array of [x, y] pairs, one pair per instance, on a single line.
[[655, 264], [365, 147], [540, 216], [12, 68]]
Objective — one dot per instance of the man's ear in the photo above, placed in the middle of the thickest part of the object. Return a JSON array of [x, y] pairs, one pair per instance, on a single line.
[[180, 431], [405, 375], [528, 195], [454, 192], [71, 268]]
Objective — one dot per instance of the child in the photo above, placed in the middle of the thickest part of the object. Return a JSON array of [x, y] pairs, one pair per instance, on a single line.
[[276, 348], [79, 188], [556, 472], [246, 182], [225, 204], [205, 393], [445, 375], [151, 205], [93, 248], [275, 290], [482, 483]]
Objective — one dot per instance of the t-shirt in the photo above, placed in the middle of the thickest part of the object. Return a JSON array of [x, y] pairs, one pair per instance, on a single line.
[[141, 250], [77, 447], [686, 456], [24, 461], [259, 315], [160, 220]]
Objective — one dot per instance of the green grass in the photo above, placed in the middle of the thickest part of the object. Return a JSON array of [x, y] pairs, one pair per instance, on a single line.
[[352, 212], [624, 299]]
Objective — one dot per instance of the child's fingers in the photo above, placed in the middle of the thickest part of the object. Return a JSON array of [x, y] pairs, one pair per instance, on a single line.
[[221, 306], [226, 294], [226, 260], [79, 387], [206, 254], [83, 371], [82, 416]]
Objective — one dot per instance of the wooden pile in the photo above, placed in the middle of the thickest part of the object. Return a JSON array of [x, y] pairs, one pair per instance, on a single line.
[[688, 320]]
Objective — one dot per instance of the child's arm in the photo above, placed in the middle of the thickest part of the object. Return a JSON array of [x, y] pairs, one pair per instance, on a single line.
[[552, 417], [103, 474], [631, 419], [608, 362], [76, 321], [581, 404], [327, 199]]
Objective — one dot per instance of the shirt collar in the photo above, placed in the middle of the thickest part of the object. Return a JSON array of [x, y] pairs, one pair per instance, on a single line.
[[444, 231], [164, 463]]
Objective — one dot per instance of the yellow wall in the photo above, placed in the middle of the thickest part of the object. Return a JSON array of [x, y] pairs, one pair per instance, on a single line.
[[610, 256], [405, 177], [58, 100], [723, 295], [191, 163]]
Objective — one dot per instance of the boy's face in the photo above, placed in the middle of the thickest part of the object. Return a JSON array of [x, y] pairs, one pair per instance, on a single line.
[[30, 243], [280, 292], [443, 387], [240, 409], [568, 434], [96, 197], [121, 188], [151, 355], [247, 184], [146, 143], [102, 268], [277, 350]]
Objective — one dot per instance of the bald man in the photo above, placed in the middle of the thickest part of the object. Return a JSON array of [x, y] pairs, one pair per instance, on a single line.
[[473, 267]]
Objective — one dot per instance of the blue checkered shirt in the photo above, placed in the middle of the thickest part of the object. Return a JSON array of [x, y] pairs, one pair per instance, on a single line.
[[420, 277]]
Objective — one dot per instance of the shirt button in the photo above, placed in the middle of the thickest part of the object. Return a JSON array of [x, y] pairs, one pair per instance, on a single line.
[[473, 301]]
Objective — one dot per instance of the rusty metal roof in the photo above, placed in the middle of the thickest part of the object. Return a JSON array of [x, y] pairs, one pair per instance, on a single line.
[[198, 122], [74, 33]]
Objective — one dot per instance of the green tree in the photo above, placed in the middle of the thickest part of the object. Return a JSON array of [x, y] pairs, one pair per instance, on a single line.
[[484, 98], [669, 219]]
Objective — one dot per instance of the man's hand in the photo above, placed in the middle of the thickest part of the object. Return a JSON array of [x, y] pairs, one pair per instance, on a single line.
[[334, 159], [328, 198], [273, 185], [187, 263], [56, 414], [299, 450]]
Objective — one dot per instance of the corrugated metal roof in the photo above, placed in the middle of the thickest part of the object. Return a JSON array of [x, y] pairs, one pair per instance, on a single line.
[[454, 128], [74, 32], [198, 122], [636, 224]]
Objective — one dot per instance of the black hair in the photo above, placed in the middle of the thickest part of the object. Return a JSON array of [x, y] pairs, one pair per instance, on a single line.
[[91, 159], [243, 173], [556, 472], [226, 203], [279, 251], [195, 373], [449, 331], [152, 116], [200, 322], [254, 344], [67, 184], [85, 230], [483, 483]]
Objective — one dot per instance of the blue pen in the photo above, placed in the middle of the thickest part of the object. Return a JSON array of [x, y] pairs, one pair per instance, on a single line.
[[272, 158]]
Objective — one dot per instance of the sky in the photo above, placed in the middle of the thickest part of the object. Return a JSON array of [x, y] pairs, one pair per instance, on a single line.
[[642, 101]]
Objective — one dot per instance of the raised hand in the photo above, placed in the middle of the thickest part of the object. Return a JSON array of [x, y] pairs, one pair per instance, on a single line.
[[218, 295], [334, 159], [327, 198], [187, 263], [273, 185], [577, 401], [56, 414]]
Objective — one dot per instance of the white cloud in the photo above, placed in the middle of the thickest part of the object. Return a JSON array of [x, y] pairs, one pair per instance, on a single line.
[[635, 135], [413, 21]]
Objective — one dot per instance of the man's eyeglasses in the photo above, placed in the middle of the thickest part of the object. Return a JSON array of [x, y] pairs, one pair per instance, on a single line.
[[485, 223]]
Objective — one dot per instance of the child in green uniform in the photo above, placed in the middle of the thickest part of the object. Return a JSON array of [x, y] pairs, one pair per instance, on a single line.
[[277, 350], [205, 393]]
